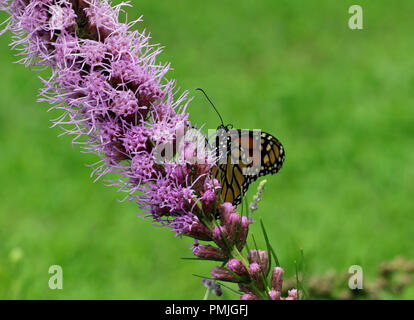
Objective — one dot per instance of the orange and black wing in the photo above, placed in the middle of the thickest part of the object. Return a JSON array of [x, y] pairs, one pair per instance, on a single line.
[[250, 155]]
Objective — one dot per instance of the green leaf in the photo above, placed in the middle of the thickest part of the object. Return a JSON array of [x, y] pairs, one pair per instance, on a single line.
[[304, 293], [297, 276], [269, 246], [299, 283], [202, 277]]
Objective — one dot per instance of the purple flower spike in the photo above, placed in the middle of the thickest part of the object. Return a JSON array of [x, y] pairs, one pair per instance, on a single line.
[[116, 102]]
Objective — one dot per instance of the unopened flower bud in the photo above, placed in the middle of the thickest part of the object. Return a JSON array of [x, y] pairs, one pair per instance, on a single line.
[[249, 296], [277, 278], [226, 209], [238, 268], [201, 232], [208, 201], [274, 295], [221, 273], [234, 226], [256, 273], [244, 288], [218, 234], [244, 230], [261, 258], [292, 295], [208, 252], [190, 225]]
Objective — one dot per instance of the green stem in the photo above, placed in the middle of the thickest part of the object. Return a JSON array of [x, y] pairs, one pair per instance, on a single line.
[[207, 294]]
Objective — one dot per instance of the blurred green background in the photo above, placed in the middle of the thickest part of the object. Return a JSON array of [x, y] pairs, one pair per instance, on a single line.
[[341, 101]]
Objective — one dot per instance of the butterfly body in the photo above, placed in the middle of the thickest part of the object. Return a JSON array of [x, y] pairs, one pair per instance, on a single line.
[[242, 157]]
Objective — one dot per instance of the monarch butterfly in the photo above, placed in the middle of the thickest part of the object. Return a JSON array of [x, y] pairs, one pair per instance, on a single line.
[[234, 170], [248, 155]]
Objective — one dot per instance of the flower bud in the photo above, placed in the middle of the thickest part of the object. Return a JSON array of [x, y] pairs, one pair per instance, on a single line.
[[256, 273], [234, 226], [208, 201], [277, 278], [261, 258], [244, 288], [220, 273], [218, 234], [274, 295], [189, 225], [200, 232], [237, 267], [226, 209], [292, 295], [208, 252], [249, 296], [244, 230]]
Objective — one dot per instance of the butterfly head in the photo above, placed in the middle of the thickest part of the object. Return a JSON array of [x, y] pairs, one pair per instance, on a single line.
[[225, 127]]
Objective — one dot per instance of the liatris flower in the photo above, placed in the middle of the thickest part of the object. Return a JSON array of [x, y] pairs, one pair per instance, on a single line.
[[117, 103], [115, 98]]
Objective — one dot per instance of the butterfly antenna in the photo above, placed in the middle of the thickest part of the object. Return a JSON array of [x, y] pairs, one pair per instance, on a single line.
[[205, 94]]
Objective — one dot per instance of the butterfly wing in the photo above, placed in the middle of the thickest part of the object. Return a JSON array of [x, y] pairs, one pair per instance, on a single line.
[[272, 154], [250, 155], [232, 182]]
